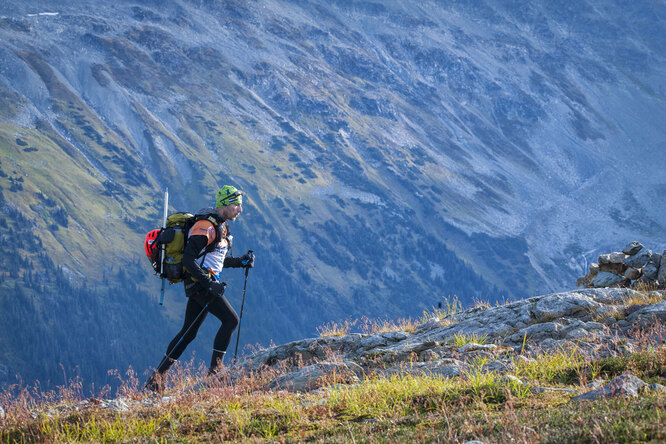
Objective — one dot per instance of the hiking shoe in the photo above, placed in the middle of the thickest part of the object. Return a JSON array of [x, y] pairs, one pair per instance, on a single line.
[[154, 384]]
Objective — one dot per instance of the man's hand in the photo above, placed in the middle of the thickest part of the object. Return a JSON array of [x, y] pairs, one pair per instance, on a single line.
[[247, 260], [217, 288]]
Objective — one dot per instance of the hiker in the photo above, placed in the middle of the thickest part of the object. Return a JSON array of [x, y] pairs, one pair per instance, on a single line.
[[203, 287]]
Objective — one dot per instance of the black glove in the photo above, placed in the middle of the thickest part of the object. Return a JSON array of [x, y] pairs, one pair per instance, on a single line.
[[247, 260], [217, 288]]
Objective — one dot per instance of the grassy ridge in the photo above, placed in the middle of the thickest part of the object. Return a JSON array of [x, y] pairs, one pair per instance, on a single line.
[[41, 180], [396, 408]]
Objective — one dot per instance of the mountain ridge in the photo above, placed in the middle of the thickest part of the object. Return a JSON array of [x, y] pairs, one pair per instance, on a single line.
[[391, 155]]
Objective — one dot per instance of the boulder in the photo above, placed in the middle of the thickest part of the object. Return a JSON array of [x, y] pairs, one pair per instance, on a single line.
[[614, 268], [608, 296], [639, 259], [661, 275], [586, 281], [632, 248], [310, 377], [117, 405], [657, 388], [304, 350], [382, 339], [474, 346], [596, 384], [444, 368], [632, 273], [648, 314], [617, 258], [623, 385], [608, 311], [650, 271], [429, 355], [606, 279], [536, 333], [612, 258], [559, 305]]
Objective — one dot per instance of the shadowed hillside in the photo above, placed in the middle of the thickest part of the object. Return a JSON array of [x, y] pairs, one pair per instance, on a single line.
[[391, 154]]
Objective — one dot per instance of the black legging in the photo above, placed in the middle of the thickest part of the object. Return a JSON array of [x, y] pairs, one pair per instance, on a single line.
[[218, 307]]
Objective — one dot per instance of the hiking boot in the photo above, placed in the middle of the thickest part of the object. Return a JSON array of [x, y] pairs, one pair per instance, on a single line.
[[154, 383]]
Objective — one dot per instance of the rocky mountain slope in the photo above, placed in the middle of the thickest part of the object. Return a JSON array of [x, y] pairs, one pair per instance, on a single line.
[[392, 153], [599, 321]]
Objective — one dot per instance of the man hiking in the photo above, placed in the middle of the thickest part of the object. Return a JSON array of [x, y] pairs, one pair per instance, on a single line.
[[204, 257]]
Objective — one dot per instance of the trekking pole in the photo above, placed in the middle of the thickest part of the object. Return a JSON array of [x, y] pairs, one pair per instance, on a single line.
[[247, 270], [164, 221]]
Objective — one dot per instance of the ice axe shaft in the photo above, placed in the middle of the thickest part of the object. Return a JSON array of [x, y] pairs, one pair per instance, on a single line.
[[164, 221], [247, 270]]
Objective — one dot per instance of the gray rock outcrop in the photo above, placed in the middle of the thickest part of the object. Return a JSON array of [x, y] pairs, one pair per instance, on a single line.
[[607, 279], [632, 248], [496, 340], [586, 318], [661, 274], [634, 266], [311, 377]]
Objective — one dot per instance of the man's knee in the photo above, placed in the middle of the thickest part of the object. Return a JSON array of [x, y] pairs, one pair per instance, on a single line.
[[189, 337], [233, 321]]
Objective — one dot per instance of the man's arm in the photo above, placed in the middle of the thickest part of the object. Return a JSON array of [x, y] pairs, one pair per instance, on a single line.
[[191, 258], [245, 261]]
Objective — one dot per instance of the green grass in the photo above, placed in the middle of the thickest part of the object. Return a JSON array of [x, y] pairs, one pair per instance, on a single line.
[[397, 408], [460, 339]]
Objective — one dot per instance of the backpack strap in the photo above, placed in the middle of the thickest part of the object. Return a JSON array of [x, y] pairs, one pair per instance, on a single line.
[[221, 230]]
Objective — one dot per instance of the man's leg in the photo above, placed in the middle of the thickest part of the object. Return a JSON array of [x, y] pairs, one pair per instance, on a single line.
[[193, 320], [222, 310]]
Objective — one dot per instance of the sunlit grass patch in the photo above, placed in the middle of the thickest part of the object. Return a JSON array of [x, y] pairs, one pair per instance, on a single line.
[[460, 339], [332, 329], [366, 325], [645, 294], [648, 364], [404, 395], [561, 366], [450, 307], [572, 366], [384, 326]]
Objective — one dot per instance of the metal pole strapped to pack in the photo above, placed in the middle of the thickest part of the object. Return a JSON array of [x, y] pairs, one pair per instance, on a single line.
[[251, 253], [164, 221]]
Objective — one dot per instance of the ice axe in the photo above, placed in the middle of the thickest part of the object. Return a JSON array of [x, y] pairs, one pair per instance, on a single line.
[[162, 256]]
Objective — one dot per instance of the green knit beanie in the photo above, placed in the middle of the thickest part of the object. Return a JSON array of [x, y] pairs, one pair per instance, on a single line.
[[228, 195]]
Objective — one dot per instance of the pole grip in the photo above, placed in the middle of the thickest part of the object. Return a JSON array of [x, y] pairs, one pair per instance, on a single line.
[[247, 270]]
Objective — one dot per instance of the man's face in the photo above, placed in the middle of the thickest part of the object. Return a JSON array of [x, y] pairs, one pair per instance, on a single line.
[[231, 212]]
